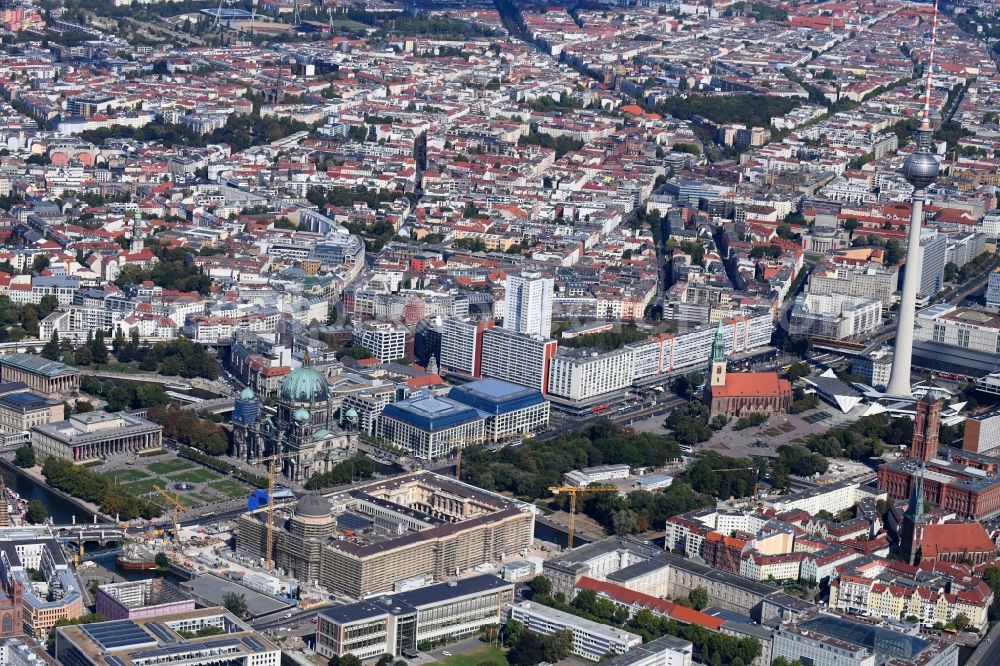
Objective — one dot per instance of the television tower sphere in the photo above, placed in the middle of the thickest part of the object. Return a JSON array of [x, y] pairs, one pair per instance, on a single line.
[[921, 169]]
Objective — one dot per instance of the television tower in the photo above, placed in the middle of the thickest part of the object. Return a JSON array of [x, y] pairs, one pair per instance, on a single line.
[[920, 170]]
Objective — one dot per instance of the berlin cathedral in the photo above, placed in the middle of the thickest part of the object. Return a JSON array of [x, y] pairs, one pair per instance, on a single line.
[[303, 428]]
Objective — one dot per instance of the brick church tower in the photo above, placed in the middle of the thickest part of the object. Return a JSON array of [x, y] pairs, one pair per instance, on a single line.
[[925, 429]]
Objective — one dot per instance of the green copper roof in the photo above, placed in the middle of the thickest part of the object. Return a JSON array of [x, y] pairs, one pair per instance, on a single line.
[[301, 415], [247, 394], [304, 385], [719, 346], [36, 365]]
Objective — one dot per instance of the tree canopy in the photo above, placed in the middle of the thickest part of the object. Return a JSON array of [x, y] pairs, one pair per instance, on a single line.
[[114, 500], [530, 470]]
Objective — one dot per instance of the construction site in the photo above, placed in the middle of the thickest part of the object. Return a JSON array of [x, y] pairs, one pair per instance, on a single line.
[[362, 541]]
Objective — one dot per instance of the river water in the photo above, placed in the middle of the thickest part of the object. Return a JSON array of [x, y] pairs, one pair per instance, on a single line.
[[60, 510]]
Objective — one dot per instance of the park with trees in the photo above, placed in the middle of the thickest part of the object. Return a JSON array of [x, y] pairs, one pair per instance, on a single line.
[[190, 429], [91, 486]]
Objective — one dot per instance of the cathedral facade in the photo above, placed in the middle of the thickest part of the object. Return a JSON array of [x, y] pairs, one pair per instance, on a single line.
[[303, 429]]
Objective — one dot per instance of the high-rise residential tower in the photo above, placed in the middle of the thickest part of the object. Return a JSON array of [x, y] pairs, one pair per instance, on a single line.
[[527, 306]]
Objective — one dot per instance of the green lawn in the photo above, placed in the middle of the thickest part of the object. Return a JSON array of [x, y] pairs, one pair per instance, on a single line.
[[230, 488], [169, 466], [127, 475], [186, 500], [145, 486], [205, 496], [476, 656], [199, 475]]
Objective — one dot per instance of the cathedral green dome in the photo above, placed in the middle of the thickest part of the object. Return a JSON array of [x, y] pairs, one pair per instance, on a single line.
[[301, 415], [304, 385], [247, 394]]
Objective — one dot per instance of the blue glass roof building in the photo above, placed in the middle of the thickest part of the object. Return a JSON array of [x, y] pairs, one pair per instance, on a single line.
[[495, 396], [431, 427], [431, 414], [512, 410]]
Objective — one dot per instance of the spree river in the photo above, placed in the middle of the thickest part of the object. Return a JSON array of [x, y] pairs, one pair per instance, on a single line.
[[62, 512]]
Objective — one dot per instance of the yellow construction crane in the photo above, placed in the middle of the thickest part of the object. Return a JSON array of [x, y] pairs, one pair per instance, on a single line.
[[269, 527], [178, 507], [572, 492]]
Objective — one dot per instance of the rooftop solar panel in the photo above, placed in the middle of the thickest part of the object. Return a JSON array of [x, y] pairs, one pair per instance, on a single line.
[[118, 634], [254, 644], [161, 633], [186, 647]]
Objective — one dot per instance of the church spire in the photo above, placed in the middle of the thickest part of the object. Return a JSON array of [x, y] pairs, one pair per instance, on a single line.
[[719, 346], [717, 368], [915, 510]]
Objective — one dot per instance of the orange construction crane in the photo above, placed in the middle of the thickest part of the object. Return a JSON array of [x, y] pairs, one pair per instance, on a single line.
[[572, 492], [178, 507], [270, 460]]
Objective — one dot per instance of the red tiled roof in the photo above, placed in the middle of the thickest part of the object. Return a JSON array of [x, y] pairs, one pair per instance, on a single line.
[[424, 380], [745, 384], [669, 608], [955, 538]]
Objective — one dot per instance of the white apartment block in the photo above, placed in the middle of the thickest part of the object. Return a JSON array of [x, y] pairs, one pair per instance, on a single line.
[[460, 346], [991, 223], [833, 498], [527, 306], [385, 340], [591, 640], [580, 374], [517, 358], [869, 281], [669, 353], [74, 323], [933, 257], [835, 316]]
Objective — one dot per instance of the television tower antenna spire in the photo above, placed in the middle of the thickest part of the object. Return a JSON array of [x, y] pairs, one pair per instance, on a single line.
[[921, 170], [925, 121]]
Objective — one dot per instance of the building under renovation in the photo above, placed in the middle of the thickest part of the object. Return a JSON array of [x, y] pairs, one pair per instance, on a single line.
[[363, 540]]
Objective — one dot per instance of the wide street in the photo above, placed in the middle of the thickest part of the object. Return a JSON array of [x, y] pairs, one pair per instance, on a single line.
[[988, 652]]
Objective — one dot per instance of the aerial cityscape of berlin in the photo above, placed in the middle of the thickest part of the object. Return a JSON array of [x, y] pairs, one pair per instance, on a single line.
[[499, 332]]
